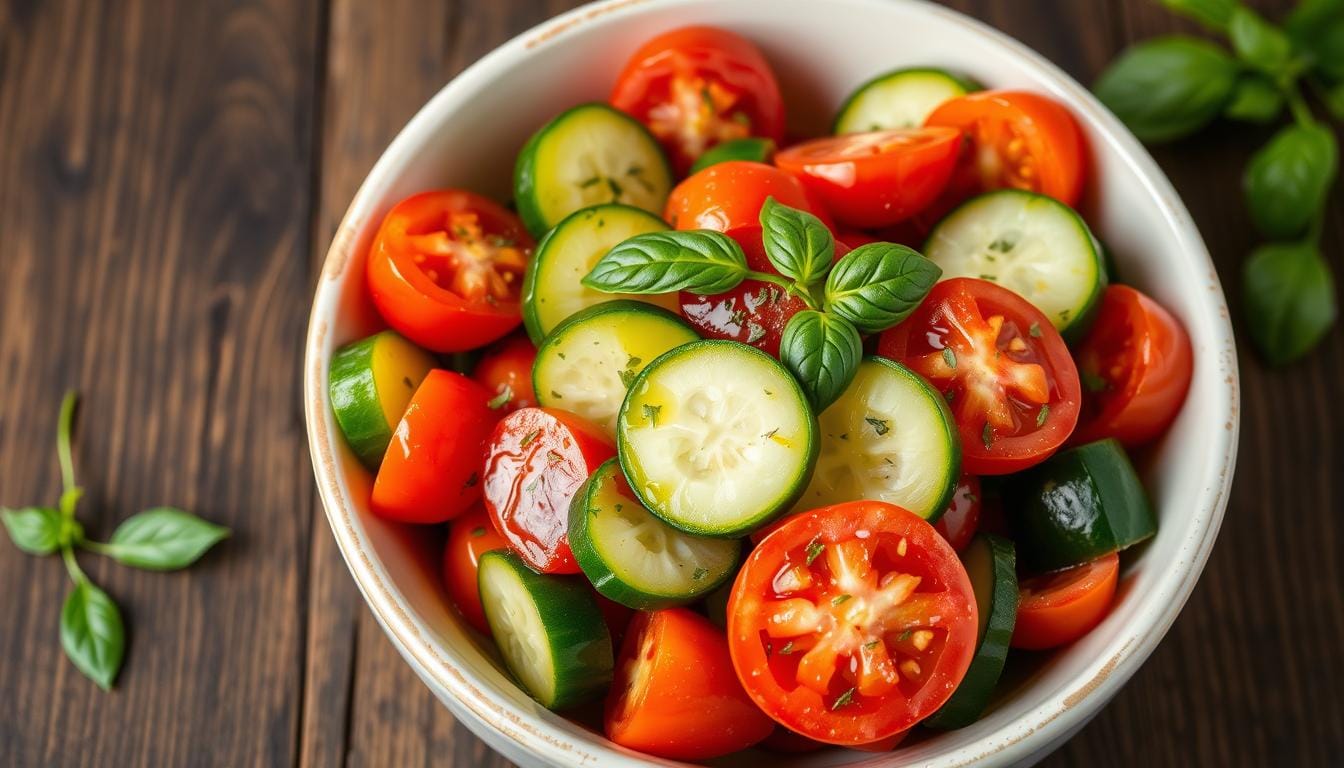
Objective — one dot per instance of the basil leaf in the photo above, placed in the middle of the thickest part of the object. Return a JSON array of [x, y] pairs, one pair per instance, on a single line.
[[1333, 99], [877, 285], [162, 539], [1317, 28], [1289, 299], [1288, 180], [1168, 87], [700, 261], [1214, 14], [35, 530], [823, 352], [92, 633], [796, 242], [1257, 42], [1256, 100]]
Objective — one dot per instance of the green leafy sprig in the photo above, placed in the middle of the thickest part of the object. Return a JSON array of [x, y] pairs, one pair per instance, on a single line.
[[159, 539], [1170, 87], [870, 289]]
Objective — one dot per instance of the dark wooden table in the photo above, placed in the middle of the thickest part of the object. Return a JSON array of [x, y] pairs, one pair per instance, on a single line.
[[170, 176]]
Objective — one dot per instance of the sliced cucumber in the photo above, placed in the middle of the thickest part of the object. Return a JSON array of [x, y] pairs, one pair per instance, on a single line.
[[551, 288], [1076, 506], [991, 564], [586, 364], [590, 154], [890, 437], [633, 557], [371, 382], [1031, 244], [548, 628], [716, 438], [752, 148], [899, 99]]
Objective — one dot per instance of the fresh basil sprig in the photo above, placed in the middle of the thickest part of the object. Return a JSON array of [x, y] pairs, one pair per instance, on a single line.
[[796, 242], [92, 632], [702, 261], [877, 285], [823, 351], [1170, 87]]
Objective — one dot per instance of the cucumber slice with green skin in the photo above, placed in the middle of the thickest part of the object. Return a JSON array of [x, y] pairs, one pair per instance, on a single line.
[[752, 148], [633, 557], [890, 437], [549, 630], [717, 438], [586, 364], [1030, 244], [551, 288], [590, 154], [1076, 506], [371, 382], [991, 563], [899, 99]]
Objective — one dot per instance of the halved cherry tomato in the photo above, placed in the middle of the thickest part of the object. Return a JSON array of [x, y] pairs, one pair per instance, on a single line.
[[754, 312], [726, 197], [535, 461], [1014, 139], [430, 471], [959, 522], [675, 695], [697, 86], [853, 238], [506, 370], [1060, 607], [469, 537], [1004, 369], [850, 623], [875, 179], [446, 268], [1135, 366]]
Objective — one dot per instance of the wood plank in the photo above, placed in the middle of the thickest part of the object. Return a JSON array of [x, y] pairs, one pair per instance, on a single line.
[[155, 228]]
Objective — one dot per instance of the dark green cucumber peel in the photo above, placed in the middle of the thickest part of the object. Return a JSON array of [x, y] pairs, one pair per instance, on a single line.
[[355, 403], [1076, 506]]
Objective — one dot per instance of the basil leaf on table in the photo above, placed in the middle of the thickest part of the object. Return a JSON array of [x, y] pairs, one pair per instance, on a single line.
[[162, 539], [1255, 100], [92, 633], [823, 352], [1257, 42], [1168, 87], [700, 261], [1288, 180], [1290, 300], [796, 242], [35, 530], [1317, 28], [877, 285], [1214, 14]]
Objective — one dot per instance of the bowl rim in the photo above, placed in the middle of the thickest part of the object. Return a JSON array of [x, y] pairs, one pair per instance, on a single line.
[[1049, 724]]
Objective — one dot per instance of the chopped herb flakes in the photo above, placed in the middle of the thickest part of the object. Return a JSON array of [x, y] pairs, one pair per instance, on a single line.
[[880, 426], [502, 399], [699, 574], [871, 644], [814, 550], [478, 531], [1035, 330], [987, 435], [651, 413], [787, 649], [843, 700], [754, 333], [949, 357], [529, 438], [839, 599], [1042, 415], [771, 433]]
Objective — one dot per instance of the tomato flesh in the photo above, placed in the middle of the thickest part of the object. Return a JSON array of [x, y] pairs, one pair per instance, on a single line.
[[1006, 373], [469, 537], [754, 312], [536, 459], [727, 197], [962, 517], [848, 624], [506, 370], [1060, 607]]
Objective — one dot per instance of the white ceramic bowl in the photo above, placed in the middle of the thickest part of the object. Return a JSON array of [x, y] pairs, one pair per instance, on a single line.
[[468, 135]]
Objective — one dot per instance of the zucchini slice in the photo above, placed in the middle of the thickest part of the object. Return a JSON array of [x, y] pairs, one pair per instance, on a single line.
[[899, 99], [1030, 244], [991, 563], [551, 288], [1076, 506], [890, 437], [633, 557], [752, 148], [590, 154], [549, 630], [586, 364], [371, 382], [716, 438]]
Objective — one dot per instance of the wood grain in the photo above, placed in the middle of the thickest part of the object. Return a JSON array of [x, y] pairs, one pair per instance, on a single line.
[[170, 177]]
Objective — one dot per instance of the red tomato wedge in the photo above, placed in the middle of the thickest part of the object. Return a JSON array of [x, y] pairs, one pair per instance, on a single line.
[[675, 695], [430, 471], [446, 269], [727, 197], [469, 537], [1060, 607], [1135, 365], [1006, 373], [506, 370], [959, 523], [536, 459], [697, 86], [870, 180], [851, 623]]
